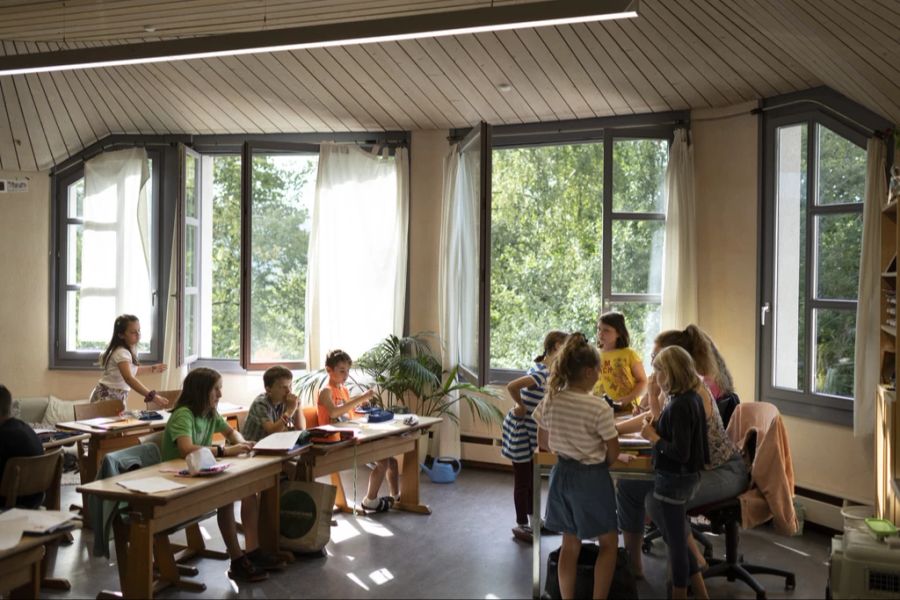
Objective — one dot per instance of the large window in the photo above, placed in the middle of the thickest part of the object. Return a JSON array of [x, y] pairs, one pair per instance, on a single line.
[[107, 258], [278, 225], [815, 186], [575, 229]]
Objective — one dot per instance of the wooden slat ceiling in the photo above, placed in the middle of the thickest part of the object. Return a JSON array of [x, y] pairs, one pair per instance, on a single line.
[[679, 54]]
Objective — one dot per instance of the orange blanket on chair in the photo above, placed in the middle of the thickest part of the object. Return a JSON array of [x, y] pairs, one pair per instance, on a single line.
[[771, 491]]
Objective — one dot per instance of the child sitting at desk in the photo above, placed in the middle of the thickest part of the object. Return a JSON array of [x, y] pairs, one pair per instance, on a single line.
[[334, 404], [277, 409], [17, 439], [191, 427]]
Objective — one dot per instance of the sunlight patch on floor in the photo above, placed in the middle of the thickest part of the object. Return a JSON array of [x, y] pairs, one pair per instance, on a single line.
[[381, 576], [800, 552], [358, 581], [343, 531], [374, 527]]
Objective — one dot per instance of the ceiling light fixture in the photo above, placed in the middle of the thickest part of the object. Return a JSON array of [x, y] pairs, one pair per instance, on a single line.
[[516, 16]]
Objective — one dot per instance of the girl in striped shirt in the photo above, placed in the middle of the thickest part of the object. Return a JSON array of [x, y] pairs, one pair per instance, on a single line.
[[520, 432], [582, 432]]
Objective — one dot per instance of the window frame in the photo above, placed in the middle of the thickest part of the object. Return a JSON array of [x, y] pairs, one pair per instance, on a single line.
[[657, 126], [62, 178], [856, 125]]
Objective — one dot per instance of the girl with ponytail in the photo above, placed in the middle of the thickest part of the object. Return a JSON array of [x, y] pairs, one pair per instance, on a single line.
[[581, 431]]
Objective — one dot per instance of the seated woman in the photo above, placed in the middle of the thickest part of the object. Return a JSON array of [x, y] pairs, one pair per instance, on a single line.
[[725, 476], [191, 427]]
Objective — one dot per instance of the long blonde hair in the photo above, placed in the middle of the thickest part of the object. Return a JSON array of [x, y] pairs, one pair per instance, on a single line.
[[576, 354], [678, 366]]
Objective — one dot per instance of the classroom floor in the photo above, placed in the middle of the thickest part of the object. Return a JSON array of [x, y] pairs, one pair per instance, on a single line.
[[463, 550]]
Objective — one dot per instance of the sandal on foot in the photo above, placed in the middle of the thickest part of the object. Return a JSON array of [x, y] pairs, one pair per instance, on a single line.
[[380, 505]]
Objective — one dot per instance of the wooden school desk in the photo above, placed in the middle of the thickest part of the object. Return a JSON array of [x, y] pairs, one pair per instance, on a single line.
[[21, 565], [151, 514], [103, 441], [373, 442]]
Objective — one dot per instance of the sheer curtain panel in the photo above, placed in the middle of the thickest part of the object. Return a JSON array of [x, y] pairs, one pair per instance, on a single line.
[[679, 286], [356, 282], [868, 359]]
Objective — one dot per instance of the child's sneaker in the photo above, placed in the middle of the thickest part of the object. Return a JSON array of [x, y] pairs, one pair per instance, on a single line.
[[523, 533], [266, 562], [243, 569]]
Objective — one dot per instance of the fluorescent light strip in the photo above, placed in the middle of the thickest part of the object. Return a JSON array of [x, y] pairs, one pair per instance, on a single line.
[[322, 44]]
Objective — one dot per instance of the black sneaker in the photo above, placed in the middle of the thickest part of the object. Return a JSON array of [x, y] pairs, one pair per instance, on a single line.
[[266, 562], [243, 569]]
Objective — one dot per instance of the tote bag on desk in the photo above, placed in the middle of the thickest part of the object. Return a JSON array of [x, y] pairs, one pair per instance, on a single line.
[[306, 508]]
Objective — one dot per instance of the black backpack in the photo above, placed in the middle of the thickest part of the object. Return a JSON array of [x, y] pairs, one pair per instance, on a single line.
[[623, 585]]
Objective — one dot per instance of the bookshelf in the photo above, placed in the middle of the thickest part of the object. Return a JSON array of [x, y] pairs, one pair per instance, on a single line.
[[887, 423]]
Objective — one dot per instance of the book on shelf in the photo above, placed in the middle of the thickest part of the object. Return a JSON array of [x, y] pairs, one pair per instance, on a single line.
[[892, 310], [891, 322]]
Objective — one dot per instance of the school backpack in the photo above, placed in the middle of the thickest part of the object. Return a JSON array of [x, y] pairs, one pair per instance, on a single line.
[[623, 585]]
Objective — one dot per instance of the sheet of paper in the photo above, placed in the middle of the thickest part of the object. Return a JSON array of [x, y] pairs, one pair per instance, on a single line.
[[151, 485], [100, 421], [11, 531], [37, 521], [284, 440], [227, 407]]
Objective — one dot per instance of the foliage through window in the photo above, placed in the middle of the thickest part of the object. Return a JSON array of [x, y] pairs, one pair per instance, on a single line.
[[551, 216], [816, 191]]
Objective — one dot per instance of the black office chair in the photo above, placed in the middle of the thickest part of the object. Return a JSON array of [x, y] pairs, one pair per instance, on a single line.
[[725, 516]]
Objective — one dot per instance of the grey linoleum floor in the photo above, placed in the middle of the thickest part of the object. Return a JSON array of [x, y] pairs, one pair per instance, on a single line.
[[464, 549]]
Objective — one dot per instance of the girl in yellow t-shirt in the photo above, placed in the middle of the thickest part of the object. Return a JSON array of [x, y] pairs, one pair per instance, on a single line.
[[622, 378]]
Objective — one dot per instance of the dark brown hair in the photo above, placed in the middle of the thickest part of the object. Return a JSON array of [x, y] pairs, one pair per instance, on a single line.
[[692, 339], [333, 358], [576, 354], [119, 327], [551, 341], [195, 391], [5, 401], [616, 320], [275, 373]]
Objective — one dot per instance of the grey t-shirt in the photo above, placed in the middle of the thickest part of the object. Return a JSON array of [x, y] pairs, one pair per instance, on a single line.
[[261, 410]]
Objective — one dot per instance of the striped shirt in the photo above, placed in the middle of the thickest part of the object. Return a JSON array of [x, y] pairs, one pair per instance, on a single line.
[[578, 423], [520, 433]]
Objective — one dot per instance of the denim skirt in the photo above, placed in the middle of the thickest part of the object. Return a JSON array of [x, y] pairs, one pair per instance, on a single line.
[[582, 500]]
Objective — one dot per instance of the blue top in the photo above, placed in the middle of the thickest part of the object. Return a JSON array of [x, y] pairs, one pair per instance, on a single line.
[[520, 433], [683, 446]]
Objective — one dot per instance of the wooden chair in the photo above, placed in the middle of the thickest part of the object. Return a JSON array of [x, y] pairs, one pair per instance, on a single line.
[[26, 476]]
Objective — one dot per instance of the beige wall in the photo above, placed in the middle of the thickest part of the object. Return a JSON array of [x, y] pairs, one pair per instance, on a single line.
[[826, 457]]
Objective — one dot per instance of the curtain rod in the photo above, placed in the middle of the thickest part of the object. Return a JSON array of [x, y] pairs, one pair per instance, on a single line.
[[883, 134]]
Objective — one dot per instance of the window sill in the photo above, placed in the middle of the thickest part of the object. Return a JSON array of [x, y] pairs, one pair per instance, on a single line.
[[803, 409]]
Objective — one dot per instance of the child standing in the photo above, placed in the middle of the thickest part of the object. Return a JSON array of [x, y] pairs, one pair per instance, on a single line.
[[582, 432], [121, 367], [622, 377], [333, 405], [277, 409], [680, 449], [520, 432]]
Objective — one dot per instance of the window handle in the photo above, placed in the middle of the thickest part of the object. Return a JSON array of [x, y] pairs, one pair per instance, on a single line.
[[763, 311], [153, 296]]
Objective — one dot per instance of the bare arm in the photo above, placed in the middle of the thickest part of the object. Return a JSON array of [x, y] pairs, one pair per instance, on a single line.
[[157, 368], [125, 369], [630, 425], [640, 383], [612, 450], [515, 388], [334, 412], [656, 398]]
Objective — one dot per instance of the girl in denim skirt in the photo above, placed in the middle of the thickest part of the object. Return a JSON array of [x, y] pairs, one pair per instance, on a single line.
[[581, 431], [680, 449]]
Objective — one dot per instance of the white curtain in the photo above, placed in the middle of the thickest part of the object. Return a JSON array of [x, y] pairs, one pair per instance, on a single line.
[[679, 285], [356, 282], [458, 274], [868, 309], [115, 252], [175, 374]]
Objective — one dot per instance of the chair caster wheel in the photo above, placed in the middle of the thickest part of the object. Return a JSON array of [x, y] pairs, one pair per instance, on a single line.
[[789, 582], [646, 547]]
